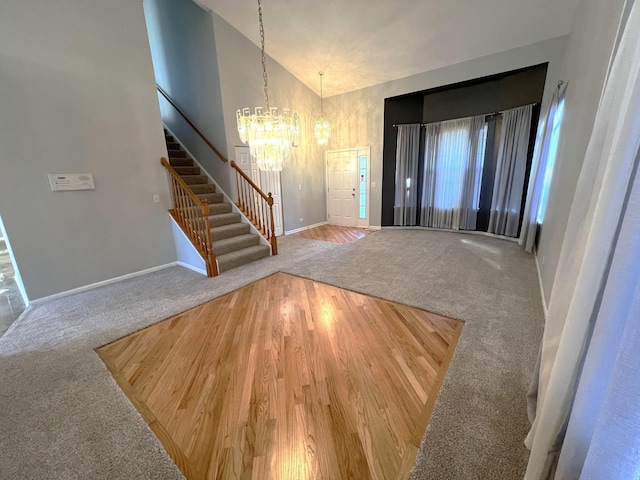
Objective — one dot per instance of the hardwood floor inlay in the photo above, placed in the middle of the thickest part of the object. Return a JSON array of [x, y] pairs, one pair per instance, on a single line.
[[334, 233], [288, 379]]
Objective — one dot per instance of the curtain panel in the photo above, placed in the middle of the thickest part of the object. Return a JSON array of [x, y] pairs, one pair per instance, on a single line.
[[542, 156], [405, 210], [453, 161], [588, 376], [510, 172]]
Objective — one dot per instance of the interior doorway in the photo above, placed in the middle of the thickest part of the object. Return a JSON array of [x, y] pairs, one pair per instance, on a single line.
[[348, 187], [13, 298], [267, 181]]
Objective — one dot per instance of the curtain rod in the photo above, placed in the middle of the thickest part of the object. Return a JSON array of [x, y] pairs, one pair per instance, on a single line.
[[492, 114]]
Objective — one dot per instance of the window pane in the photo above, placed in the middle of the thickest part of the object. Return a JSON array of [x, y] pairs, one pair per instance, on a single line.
[[362, 168], [553, 147]]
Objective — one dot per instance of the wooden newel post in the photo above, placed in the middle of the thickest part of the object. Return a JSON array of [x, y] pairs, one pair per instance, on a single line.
[[274, 241], [212, 265]]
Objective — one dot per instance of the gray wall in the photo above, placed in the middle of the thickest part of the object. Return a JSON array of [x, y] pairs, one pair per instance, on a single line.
[[77, 95], [183, 48], [242, 86], [359, 115], [211, 70], [591, 42]]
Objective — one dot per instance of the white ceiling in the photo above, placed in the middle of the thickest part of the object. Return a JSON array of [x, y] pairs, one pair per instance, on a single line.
[[359, 43]]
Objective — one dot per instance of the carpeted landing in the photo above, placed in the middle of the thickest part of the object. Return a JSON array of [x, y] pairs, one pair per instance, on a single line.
[[65, 417]]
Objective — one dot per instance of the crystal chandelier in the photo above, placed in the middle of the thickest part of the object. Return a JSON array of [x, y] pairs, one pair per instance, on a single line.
[[322, 125], [270, 134]]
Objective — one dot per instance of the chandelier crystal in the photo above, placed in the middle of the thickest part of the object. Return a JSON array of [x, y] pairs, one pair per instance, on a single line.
[[269, 132], [322, 125]]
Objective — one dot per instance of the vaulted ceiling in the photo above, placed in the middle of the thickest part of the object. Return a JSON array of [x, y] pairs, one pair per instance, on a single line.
[[359, 43]]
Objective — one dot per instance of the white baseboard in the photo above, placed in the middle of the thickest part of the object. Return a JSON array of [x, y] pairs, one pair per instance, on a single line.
[[544, 301], [191, 267], [374, 227], [91, 286], [447, 230], [302, 229]]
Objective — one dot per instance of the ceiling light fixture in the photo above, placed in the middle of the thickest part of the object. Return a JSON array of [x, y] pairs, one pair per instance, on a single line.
[[322, 125], [270, 134]]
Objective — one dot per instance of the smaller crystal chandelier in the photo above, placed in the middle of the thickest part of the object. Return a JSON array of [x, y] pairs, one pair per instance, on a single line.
[[322, 125], [270, 134]]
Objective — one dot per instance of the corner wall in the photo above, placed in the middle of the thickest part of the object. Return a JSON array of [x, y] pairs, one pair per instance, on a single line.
[[303, 176], [591, 44], [77, 94], [185, 62], [359, 116]]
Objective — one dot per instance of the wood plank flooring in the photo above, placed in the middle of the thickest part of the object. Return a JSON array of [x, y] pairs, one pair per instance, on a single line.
[[334, 233], [288, 379]]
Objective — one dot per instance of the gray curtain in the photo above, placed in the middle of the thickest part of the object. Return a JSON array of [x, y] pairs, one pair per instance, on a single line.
[[407, 153], [508, 184], [453, 162]]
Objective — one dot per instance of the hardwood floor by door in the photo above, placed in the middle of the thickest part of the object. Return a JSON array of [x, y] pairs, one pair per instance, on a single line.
[[288, 379], [334, 233]]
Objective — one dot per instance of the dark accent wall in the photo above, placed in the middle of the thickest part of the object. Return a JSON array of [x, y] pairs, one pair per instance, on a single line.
[[474, 97], [398, 110]]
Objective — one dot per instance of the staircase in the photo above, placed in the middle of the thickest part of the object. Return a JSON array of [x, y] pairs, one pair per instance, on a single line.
[[233, 242]]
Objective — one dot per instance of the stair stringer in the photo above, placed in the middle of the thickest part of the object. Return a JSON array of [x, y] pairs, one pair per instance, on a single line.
[[234, 207]]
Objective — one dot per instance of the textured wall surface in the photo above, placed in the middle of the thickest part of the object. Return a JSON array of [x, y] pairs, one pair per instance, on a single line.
[[242, 86]]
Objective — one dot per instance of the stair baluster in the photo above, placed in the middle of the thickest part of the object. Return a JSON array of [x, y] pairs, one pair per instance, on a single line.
[[256, 206], [192, 215]]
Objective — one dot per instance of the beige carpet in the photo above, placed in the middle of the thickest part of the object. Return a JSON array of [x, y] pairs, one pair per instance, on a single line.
[[64, 416]]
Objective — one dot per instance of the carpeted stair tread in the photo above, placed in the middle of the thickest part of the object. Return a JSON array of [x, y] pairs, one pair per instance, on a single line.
[[234, 244], [195, 179], [227, 245], [227, 231], [242, 257], [181, 162], [219, 208], [203, 188], [211, 197], [187, 170], [218, 220]]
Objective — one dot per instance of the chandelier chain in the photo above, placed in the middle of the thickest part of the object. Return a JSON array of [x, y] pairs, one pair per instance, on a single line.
[[264, 58], [321, 107]]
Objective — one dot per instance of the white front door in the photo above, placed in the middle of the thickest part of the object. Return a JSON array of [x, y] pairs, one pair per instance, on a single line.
[[342, 187], [267, 181]]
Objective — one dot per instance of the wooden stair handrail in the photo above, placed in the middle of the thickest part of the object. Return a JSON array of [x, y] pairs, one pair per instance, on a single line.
[[255, 211], [183, 115], [251, 182], [192, 215], [185, 186]]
